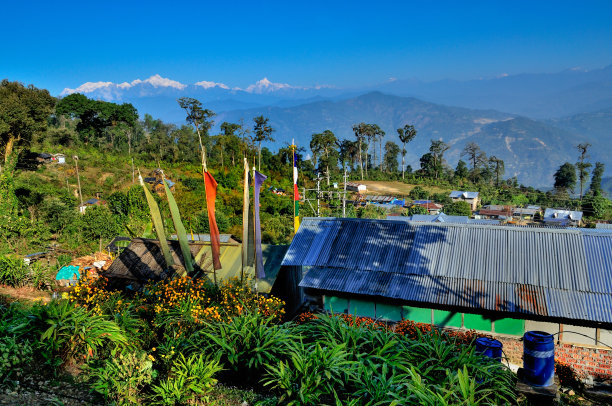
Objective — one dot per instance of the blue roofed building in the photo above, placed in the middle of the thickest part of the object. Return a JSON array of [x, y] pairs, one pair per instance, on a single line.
[[495, 279], [564, 218]]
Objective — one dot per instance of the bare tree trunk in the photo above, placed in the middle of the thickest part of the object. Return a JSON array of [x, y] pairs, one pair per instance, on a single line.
[[403, 155], [360, 160]]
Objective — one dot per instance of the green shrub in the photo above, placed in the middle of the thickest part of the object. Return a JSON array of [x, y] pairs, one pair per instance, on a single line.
[[246, 344], [190, 380], [13, 271], [16, 273], [14, 354], [313, 375], [122, 378], [73, 333]]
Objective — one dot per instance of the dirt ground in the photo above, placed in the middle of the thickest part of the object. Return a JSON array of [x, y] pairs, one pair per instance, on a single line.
[[394, 188], [23, 294]]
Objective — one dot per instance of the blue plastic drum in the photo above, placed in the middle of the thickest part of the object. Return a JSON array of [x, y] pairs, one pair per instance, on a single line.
[[489, 347], [539, 358]]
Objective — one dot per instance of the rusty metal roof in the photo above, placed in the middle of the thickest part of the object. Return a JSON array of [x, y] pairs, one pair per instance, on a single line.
[[544, 272]]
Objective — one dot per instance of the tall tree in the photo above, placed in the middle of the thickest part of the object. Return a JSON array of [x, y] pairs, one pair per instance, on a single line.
[[498, 168], [596, 176], [360, 131], [229, 137], [476, 157], [200, 118], [437, 150], [23, 113], [323, 145], [391, 151], [461, 171], [582, 166], [406, 135], [565, 178], [349, 153], [262, 131]]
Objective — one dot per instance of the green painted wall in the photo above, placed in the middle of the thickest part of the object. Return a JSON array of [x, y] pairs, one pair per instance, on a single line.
[[417, 314], [362, 308], [476, 322], [443, 318], [335, 304], [388, 312], [447, 319], [510, 326]]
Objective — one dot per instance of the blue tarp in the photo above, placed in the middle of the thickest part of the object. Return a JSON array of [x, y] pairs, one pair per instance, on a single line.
[[68, 272]]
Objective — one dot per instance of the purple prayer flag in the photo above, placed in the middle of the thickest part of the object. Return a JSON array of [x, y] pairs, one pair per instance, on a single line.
[[259, 266]]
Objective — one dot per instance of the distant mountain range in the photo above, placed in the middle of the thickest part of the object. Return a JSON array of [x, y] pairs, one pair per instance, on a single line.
[[532, 150], [541, 96], [531, 121]]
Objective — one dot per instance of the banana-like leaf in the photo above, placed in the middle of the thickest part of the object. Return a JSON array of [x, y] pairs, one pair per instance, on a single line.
[[178, 226], [148, 231], [157, 223]]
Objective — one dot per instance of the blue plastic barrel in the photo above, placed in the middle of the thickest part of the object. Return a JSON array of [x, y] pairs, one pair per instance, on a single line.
[[539, 358], [489, 347]]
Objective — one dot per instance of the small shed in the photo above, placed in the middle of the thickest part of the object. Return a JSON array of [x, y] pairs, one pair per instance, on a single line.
[[59, 158], [356, 187], [143, 261]]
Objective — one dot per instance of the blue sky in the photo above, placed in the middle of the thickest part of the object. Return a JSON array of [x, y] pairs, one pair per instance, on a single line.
[[343, 43]]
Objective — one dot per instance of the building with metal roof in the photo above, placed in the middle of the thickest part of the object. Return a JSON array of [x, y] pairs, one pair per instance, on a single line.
[[443, 218], [562, 217], [491, 272], [603, 226], [472, 198]]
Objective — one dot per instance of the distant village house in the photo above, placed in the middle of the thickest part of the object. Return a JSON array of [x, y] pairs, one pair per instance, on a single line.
[[471, 198]]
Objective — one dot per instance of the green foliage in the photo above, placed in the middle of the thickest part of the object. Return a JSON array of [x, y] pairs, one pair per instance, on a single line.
[[122, 378], [200, 223], [416, 209], [459, 208], [14, 355], [179, 228], [23, 114], [190, 380], [98, 222], [313, 374], [73, 333], [418, 193], [565, 178], [246, 344], [371, 211], [16, 273]]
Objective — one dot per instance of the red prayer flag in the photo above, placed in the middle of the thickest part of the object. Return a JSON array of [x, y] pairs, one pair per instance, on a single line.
[[215, 240]]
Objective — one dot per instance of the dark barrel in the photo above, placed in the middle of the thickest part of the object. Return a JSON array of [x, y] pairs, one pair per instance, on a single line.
[[489, 347], [539, 358]]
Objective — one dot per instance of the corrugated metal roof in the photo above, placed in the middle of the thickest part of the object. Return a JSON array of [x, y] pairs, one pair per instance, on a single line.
[[223, 238], [458, 194], [559, 215], [603, 226], [547, 272]]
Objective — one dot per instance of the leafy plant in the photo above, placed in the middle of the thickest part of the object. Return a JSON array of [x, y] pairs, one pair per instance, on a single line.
[[122, 378], [313, 375], [190, 379], [73, 333], [246, 344], [14, 353]]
